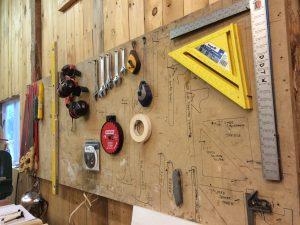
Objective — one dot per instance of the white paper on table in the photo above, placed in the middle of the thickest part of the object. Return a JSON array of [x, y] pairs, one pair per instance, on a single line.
[[142, 216], [8, 209]]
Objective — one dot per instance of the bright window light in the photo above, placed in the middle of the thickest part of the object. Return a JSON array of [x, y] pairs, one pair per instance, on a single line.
[[11, 128]]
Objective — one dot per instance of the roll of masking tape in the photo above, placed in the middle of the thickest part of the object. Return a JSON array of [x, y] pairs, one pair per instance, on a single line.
[[140, 128]]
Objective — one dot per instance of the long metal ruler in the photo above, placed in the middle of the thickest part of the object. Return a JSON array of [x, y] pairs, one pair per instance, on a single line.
[[214, 17], [264, 89]]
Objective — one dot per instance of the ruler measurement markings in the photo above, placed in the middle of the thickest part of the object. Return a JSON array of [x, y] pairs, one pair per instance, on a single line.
[[214, 17], [264, 90]]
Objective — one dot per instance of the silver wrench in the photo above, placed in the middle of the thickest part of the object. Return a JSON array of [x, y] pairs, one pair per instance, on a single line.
[[96, 75], [109, 79], [117, 79], [123, 67], [102, 90]]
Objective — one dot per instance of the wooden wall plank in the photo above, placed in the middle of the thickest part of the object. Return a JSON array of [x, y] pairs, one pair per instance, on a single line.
[[121, 22], [76, 197], [119, 28], [1, 45], [153, 14], [61, 40], [172, 10], [46, 40], [109, 24], [119, 213], [78, 23], [103, 212], [98, 27], [98, 215], [11, 12], [213, 1], [136, 18], [71, 56], [88, 22], [194, 5], [59, 206], [87, 7], [116, 24], [15, 40]]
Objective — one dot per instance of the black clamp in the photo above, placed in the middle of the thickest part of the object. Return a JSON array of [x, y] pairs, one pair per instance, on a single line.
[[68, 89], [256, 205]]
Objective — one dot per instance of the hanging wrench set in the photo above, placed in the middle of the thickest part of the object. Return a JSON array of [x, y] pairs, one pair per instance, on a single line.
[[111, 135]]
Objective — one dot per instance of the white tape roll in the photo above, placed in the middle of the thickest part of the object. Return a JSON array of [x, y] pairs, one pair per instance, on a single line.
[[140, 128]]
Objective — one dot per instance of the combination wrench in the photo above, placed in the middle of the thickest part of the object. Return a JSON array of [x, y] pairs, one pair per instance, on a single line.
[[102, 90], [123, 67], [117, 78], [109, 79]]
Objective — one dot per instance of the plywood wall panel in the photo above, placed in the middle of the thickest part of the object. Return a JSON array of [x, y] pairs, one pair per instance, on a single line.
[[153, 14], [185, 133], [119, 28]]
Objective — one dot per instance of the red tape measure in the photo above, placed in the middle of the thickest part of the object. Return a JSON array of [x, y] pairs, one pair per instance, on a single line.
[[111, 136]]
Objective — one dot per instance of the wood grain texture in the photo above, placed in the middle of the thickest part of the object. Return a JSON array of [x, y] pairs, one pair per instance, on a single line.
[[116, 23], [141, 174], [153, 14], [103, 212], [78, 31], [293, 8], [194, 5], [213, 1], [15, 38], [136, 18], [71, 48], [172, 10], [85, 38], [98, 27], [195, 128]]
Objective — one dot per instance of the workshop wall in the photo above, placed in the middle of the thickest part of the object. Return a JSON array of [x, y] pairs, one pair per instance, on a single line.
[[79, 31], [218, 140], [86, 28], [15, 45], [82, 32]]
